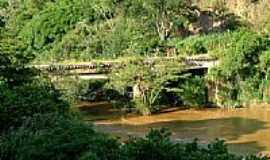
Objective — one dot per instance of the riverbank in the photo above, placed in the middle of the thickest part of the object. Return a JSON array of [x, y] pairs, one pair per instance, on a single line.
[[246, 130]]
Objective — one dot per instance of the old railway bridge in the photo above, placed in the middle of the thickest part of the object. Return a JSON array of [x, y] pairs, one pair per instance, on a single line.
[[100, 69], [198, 65]]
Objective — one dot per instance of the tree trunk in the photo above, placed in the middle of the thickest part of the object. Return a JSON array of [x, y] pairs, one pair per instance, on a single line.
[[137, 94]]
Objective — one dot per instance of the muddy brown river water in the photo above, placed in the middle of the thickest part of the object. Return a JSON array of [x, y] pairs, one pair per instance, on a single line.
[[246, 130]]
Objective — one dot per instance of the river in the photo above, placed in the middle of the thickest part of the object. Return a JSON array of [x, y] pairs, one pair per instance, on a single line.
[[246, 130]]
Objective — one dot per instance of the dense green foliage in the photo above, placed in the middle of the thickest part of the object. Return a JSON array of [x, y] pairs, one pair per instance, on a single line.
[[23, 92], [148, 82], [35, 120], [193, 92], [158, 146], [13, 60], [66, 30], [242, 71], [87, 90], [214, 44], [58, 138], [82, 30], [25, 101]]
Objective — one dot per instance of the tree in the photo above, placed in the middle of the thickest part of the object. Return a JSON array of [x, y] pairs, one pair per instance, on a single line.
[[24, 92], [43, 24], [238, 72], [3, 4], [167, 17], [265, 63], [264, 66], [57, 137], [14, 60], [148, 80]]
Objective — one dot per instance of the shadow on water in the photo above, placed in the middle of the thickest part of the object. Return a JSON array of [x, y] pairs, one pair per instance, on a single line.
[[230, 129], [99, 111]]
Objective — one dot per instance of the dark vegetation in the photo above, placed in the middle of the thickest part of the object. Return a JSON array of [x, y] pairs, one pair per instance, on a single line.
[[66, 30], [69, 30], [82, 30], [36, 121]]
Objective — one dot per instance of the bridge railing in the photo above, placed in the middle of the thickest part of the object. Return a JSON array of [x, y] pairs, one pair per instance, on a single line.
[[193, 62]]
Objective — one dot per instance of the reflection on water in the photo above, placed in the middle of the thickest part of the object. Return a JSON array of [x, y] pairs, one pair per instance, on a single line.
[[246, 130]]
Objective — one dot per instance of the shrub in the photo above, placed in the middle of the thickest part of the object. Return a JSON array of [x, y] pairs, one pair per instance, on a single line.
[[240, 71], [24, 101], [148, 82], [86, 90], [158, 146], [194, 91], [214, 44], [95, 91], [56, 137], [196, 46]]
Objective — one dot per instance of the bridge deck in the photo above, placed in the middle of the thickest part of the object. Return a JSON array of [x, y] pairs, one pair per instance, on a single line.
[[192, 62]]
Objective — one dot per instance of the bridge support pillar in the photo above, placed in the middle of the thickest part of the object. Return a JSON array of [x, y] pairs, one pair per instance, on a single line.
[[213, 91]]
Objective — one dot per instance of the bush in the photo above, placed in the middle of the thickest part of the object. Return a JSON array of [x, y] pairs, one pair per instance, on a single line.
[[148, 82], [95, 91], [214, 44], [196, 46], [243, 69], [56, 137], [194, 91], [158, 146], [24, 101]]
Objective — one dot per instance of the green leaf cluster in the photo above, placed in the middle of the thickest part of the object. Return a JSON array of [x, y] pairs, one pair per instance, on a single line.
[[243, 74], [148, 81]]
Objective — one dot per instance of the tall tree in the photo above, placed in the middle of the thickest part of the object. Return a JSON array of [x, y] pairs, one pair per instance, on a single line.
[[168, 17]]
